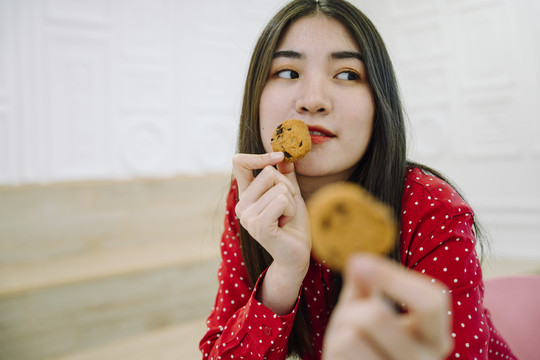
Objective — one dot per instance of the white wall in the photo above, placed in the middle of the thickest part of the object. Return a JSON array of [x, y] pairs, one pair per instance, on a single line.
[[121, 89], [469, 71]]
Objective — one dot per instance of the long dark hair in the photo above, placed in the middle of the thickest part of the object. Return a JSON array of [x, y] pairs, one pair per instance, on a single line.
[[382, 168]]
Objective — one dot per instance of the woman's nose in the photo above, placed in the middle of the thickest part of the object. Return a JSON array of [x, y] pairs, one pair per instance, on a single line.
[[313, 98]]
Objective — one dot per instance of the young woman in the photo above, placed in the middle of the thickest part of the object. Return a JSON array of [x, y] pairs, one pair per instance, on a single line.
[[323, 62]]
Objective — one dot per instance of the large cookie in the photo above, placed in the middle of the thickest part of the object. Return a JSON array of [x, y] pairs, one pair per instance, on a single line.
[[346, 219], [292, 138]]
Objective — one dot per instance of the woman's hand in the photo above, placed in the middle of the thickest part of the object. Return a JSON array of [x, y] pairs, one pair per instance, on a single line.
[[272, 210], [365, 326]]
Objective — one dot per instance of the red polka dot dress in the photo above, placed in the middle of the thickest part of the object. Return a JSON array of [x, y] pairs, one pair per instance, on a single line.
[[437, 239]]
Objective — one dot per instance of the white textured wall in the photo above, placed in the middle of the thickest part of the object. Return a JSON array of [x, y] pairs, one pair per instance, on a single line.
[[470, 76], [122, 88]]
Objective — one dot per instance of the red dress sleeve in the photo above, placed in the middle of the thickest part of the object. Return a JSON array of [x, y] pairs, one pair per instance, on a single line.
[[239, 326], [439, 241]]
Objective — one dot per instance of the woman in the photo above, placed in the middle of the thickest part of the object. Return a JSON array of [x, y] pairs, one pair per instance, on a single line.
[[323, 62]]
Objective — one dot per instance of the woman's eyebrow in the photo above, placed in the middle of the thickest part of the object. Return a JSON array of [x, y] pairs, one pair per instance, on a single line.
[[287, 54], [339, 55]]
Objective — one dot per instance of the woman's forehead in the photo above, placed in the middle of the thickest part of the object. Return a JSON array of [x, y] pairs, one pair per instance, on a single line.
[[317, 31]]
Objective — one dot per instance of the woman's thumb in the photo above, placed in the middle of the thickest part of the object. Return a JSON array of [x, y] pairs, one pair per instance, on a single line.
[[355, 286], [287, 169]]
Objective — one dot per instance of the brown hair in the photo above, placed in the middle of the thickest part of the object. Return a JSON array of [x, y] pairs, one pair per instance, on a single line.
[[382, 168]]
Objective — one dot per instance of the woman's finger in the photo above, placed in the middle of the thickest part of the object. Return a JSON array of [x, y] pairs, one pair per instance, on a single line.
[[353, 286], [380, 325], [427, 303], [244, 164], [266, 179], [253, 210], [344, 342], [287, 169], [277, 207], [262, 221]]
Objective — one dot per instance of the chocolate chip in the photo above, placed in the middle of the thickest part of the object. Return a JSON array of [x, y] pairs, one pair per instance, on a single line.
[[341, 209], [301, 142], [326, 222], [287, 155]]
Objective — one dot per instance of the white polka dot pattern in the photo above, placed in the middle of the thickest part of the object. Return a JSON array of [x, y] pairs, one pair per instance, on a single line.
[[437, 240]]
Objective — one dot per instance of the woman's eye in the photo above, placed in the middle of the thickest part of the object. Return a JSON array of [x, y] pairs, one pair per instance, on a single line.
[[288, 74], [348, 75]]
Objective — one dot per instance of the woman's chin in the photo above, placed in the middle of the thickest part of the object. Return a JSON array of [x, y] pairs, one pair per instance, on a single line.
[[311, 168], [326, 169]]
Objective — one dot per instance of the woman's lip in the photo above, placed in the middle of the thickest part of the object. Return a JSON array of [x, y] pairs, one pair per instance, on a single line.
[[320, 131], [319, 134], [317, 139]]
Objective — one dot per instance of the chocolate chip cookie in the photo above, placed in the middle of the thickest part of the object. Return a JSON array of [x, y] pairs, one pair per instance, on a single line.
[[346, 219], [292, 138]]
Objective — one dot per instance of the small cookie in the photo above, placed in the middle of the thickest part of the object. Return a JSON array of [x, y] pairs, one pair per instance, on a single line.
[[292, 138], [346, 219]]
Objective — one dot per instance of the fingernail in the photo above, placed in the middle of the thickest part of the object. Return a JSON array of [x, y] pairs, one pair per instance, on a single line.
[[361, 264], [275, 156]]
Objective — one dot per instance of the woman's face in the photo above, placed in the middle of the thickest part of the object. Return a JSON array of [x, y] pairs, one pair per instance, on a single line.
[[317, 76]]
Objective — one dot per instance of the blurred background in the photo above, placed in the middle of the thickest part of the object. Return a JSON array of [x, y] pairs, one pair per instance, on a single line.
[[118, 123]]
